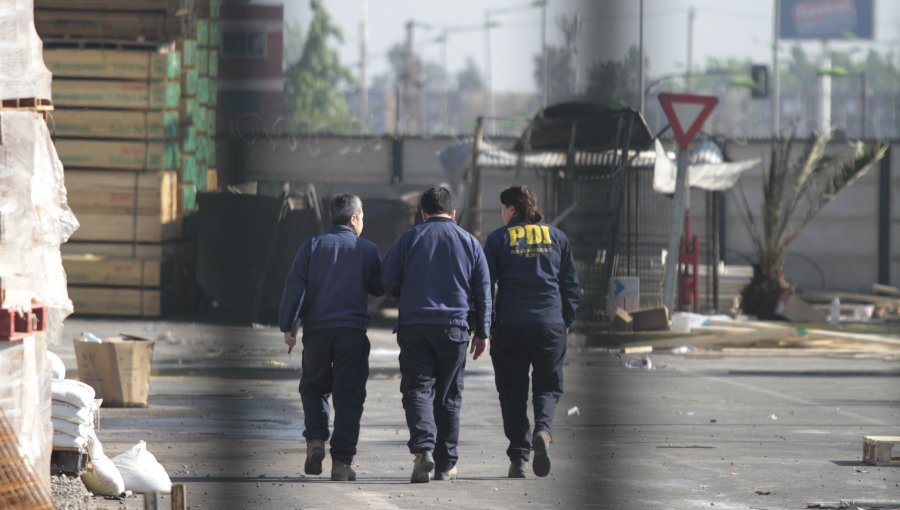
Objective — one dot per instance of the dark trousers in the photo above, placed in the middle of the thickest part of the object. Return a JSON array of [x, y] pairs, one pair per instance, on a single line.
[[515, 349], [432, 362], [336, 362]]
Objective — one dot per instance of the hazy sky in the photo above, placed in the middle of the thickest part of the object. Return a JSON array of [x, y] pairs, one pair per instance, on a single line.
[[722, 28]]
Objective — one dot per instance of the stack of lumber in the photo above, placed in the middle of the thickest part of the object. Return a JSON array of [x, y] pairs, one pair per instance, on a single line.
[[128, 126], [725, 336]]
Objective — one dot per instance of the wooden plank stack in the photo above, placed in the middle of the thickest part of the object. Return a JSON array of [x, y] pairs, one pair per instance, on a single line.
[[132, 127]]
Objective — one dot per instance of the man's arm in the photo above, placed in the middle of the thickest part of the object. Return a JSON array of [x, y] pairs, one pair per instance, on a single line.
[[294, 288], [569, 287], [392, 269], [481, 292], [373, 285]]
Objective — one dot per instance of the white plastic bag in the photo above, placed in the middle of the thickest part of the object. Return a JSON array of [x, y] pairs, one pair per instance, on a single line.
[[56, 365], [74, 414], [94, 446], [103, 477], [74, 392], [141, 471]]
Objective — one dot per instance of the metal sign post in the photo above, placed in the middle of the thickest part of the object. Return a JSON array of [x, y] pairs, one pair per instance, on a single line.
[[686, 114]]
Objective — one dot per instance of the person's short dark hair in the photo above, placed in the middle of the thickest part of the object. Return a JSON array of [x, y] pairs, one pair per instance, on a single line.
[[436, 201], [343, 206]]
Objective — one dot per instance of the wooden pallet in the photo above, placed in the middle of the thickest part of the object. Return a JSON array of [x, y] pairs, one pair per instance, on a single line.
[[27, 103], [68, 461], [877, 450]]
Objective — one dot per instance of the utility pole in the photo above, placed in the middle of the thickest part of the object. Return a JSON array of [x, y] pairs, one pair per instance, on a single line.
[[641, 58], [487, 67], [544, 53], [776, 79], [692, 13], [410, 101], [363, 63], [825, 89]]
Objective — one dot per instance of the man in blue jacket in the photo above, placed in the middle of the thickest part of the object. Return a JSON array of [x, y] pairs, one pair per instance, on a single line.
[[438, 271], [327, 289]]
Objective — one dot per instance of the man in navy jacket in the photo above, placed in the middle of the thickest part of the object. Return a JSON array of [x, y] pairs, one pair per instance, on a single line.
[[439, 272], [327, 289]]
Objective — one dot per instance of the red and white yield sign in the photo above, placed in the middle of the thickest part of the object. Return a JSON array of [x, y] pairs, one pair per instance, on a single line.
[[686, 114]]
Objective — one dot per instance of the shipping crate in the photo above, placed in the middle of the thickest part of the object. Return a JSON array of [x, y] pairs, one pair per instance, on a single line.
[[141, 125], [117, 94], [143, 194], [128, 155], [117, 301], [113, 64], [156, 26]]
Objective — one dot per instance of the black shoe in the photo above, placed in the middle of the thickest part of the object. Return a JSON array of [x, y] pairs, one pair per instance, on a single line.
[[517, 468], [315, 454], [422, 467], [541, 446]]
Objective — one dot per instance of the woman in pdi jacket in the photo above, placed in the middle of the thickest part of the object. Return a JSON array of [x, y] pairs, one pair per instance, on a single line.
[[537, 293]]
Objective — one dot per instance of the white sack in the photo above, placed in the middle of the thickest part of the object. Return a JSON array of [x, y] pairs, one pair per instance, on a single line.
[[103, 477], [56, 365], [63, 440], [74, 414], [73, 429], [141, 471], [74, 392]]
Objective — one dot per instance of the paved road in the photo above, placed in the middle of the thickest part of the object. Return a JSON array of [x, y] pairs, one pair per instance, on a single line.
[[696, 431]]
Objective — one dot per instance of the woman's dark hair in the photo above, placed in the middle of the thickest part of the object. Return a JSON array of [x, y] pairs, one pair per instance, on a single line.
[[524, 201]]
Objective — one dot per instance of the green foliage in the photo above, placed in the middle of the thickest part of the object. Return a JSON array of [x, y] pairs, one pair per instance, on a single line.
[[795, 192], [615, 82], [469, 79], [560, 73], [312, 88]]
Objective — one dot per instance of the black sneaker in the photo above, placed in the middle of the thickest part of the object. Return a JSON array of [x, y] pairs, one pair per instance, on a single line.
[[315, 454], [517, 468], [541, 446], [422, 467]]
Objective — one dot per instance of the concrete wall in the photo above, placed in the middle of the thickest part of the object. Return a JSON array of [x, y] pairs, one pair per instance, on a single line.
[[838, 250]]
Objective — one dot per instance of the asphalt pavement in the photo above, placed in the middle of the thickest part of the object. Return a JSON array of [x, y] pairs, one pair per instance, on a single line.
[[701, 430]]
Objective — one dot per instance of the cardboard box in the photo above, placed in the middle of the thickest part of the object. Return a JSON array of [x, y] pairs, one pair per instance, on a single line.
[[117, 369]]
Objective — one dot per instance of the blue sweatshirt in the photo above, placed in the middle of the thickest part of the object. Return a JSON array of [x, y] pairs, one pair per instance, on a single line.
[[533, 267], [437, 269], [332, 273]]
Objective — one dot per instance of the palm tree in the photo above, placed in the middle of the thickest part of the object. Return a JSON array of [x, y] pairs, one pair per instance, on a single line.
[[793, 193]]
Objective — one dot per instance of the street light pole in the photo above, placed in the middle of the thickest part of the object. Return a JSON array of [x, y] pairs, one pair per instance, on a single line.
[[487, 47], [544, 53]]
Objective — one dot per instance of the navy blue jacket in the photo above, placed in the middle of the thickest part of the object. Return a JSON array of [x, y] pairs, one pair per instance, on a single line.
[[332, 272], [437, 269], [533, 267]]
